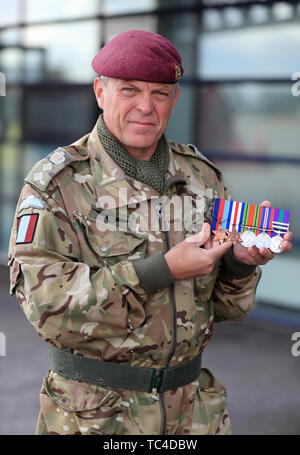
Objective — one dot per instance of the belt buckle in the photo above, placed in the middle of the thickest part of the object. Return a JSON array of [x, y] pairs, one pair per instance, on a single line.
[[156, 380]]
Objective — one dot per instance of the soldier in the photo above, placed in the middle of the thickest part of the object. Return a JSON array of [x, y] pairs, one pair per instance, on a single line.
[[125, 299]]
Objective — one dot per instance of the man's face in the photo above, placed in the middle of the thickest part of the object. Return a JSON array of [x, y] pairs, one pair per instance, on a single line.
[[136, 112]]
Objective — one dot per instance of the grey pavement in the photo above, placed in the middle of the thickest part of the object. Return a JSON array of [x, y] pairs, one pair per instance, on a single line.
[[251, 358]]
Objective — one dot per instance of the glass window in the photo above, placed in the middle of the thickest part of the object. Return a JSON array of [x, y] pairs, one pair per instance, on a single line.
[[260, 119], [11, 64], [181, 123], [118, 25], [216, 2], [68, 49], [267, 51], [259, 14], [7, 210], [12, 157], [34, 153], [43, 10], [233, 17], [34, 60], [10, 115], [10, 36], [280, 283], [10, 12], [58, 114], [212, 19], [282, 11], [124, 6]]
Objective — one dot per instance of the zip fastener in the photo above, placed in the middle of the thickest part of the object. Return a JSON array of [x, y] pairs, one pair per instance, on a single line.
[[160, 213], [173, 304], [162, 431], [174, 335]]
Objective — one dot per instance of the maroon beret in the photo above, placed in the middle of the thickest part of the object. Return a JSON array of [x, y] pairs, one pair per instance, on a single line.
[[139, 55]]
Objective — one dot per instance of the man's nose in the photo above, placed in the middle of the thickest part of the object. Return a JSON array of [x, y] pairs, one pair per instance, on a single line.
[[145, 103]]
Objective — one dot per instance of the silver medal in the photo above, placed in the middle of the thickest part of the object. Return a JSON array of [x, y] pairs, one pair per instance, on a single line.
[[248, 239], [263, 240], [276, 243]]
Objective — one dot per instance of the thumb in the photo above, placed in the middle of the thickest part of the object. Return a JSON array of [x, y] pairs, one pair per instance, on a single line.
[[219, 250], [266, 204], [202, 237]]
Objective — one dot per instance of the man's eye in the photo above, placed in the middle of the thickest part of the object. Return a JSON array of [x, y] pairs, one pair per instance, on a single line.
[[128, 89], [162, 94]]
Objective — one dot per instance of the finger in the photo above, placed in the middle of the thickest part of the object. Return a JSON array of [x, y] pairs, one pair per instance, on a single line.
[[257, 257], [286, 246], [266, 204], [208, 245], [202, 237], [215, 243], [266, 253], [254, 254], [288, 236], [218, 251]]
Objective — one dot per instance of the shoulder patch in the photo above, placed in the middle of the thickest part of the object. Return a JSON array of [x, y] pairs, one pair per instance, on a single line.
[[26, 225], [44, 170], [191, 150], [31, 201]]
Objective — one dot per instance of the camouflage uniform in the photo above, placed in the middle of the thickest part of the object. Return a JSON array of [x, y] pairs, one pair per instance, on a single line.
[[78, 287]]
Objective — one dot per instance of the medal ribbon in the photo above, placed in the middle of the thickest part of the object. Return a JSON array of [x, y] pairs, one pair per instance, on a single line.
[[280, 221], [229, 214]]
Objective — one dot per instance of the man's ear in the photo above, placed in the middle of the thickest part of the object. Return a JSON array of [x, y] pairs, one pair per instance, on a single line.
[[99, 91]]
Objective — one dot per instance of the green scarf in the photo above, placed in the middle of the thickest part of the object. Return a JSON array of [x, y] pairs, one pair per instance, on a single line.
[[152, 172]]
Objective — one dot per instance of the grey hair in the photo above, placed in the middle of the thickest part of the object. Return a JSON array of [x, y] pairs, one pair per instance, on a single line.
[[104, 79]]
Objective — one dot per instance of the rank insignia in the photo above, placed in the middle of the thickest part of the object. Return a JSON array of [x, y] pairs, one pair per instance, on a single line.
[[57, 157], [249, 224], [26, 228]]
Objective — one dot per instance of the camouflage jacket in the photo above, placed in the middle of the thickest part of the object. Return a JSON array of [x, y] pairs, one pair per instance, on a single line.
[[73, 275]]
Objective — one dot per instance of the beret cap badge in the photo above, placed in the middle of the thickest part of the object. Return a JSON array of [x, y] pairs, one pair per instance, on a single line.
[[178, 72]]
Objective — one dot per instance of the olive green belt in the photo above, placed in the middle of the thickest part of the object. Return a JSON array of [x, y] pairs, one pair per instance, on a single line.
[[114, 375]]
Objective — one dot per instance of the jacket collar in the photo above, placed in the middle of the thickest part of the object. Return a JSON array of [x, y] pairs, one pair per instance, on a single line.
[[111, 180]]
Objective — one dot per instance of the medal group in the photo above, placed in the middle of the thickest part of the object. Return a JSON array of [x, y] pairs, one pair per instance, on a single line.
[[249, 224]]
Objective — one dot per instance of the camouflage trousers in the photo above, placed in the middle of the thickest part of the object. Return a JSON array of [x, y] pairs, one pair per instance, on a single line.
[[70, 407]]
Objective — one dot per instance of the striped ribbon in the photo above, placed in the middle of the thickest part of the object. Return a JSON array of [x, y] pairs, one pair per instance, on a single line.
[[229, 214]]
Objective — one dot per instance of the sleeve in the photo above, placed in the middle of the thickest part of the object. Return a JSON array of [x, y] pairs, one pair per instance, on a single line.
[[64, 299], [235, 287], [233, 298]]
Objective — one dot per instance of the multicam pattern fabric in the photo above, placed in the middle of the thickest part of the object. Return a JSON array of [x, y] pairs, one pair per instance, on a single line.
[[77, 285]]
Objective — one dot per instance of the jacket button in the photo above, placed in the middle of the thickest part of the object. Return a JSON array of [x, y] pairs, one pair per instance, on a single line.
[[103, 248]]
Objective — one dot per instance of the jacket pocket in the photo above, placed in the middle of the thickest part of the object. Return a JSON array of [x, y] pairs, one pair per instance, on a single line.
[[108, 244], [210, 415], [96, 410]]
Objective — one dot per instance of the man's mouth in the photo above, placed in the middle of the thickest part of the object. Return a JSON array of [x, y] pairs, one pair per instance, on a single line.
[[141, 123]]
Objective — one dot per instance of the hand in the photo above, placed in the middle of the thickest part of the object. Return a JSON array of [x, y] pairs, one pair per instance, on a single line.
[[261, 256], [187, 260]]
